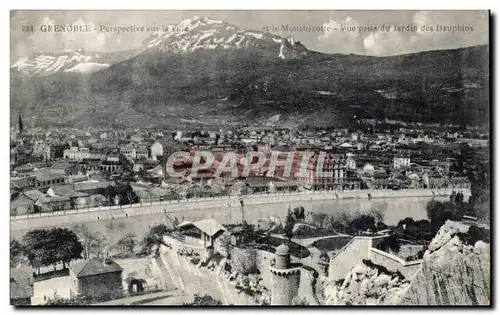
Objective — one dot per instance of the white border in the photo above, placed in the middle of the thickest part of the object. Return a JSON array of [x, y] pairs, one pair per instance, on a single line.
[[193, 4]]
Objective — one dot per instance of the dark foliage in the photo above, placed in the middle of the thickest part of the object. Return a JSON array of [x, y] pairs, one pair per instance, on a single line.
[[417, 231], [440, 212], [124, 192], [289, 223], [48, 247], [390, 244], [361, 223], [205, 300], [475, 234], [154, 236], [17, 250]]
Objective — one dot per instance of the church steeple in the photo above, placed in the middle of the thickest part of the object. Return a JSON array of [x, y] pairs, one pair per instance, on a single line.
[[21, 125]]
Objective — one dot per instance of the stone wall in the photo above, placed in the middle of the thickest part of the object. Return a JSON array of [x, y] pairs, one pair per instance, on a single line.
[[394, 263], [358, 248], [181, 273], [244, 260], [105, 286]]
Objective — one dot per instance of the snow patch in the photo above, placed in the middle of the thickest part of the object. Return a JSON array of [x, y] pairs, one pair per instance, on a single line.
[[325, 92], [88, 67]]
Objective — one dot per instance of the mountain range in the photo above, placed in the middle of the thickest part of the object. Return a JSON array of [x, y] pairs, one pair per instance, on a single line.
[[208, 72]]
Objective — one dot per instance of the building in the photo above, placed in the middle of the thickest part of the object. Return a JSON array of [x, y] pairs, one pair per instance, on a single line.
[[350, 161], [99, 279], [401, 162], [203, 232], [42, 149], [156, 150], [21, 286], [285, 277], [76, 153], [129, 151], [44, 178], [142, 152], [333, 165], [25, 202]]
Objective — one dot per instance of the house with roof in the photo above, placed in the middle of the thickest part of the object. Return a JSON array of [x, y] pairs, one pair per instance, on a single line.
[[33, 201], [99, 279], [46, 177], [27, 202], [21, 286], [21, 184], [77, 199], [203, 232]]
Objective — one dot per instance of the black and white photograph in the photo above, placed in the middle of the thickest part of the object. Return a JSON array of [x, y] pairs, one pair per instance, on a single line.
[[250, 158]]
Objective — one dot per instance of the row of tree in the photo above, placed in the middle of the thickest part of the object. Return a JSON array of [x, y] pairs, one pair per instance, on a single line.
[[45, 247]]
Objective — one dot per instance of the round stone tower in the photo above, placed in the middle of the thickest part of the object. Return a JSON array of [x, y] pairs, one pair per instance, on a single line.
[[285, 277]]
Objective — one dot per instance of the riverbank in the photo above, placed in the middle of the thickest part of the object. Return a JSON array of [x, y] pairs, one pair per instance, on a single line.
[[394, 205]]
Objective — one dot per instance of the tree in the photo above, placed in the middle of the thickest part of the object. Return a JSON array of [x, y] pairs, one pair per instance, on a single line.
[[390, 244], [289, 223], [361, 223], [49, 247], [98, 244], [319, 219], [17, 251], [154, 236], [205, 300], [299, 213], [86, 238], [438, 212], [37, 249], [92, 242], [67, 245], [127, 243]]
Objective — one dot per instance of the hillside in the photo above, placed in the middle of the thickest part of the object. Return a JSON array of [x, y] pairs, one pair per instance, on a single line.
[[215, 73]]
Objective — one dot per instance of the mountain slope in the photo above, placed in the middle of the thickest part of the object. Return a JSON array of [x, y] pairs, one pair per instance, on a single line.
[[217, 74], [43, 64]]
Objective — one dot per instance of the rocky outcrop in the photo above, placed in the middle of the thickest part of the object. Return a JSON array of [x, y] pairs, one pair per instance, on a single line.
[[455, 271], [366, 284], [290, 49]]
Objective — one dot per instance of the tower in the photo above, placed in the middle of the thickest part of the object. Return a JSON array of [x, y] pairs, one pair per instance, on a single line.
[[285, 277], [21, 125]]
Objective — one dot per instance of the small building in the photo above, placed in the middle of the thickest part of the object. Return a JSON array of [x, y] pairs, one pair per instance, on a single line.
[[27, 202], [134, 285], [21, 286], [99, 279], [205, 231], [401, 161]]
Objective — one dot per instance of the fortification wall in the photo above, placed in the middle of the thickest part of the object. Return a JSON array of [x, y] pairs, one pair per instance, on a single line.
[[394, 263]]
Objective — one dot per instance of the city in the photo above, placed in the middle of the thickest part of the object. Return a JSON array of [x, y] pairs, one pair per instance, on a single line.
[[213, 165]]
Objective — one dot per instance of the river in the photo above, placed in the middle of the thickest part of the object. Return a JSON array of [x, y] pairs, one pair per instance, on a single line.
[[392, 210]]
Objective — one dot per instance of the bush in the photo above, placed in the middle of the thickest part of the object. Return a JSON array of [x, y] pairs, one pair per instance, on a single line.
[[205, 300]]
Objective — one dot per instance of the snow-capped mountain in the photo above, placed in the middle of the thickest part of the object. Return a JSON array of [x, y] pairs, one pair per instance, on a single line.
[[198, 33], [71, 61], [205, 33], [43, 64]]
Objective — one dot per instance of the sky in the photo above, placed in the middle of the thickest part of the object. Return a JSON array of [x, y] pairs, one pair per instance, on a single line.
[[471, 28]]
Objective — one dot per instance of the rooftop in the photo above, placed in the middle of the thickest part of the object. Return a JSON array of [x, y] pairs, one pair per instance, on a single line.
[[209, 226], [95, 266]]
